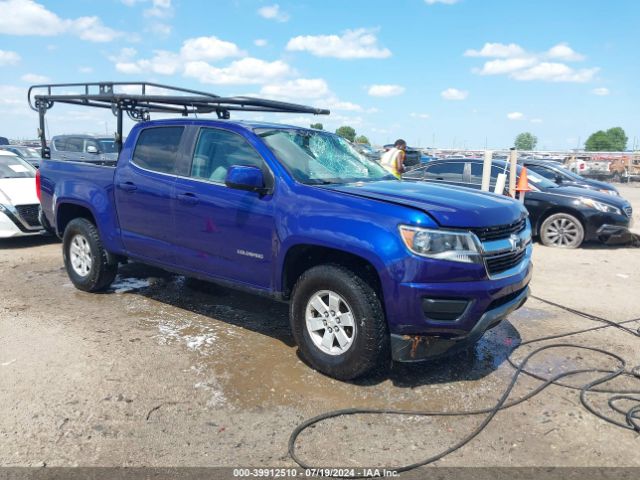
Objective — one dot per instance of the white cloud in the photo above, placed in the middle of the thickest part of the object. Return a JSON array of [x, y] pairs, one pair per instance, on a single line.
[[499, 67], [85, 69], [536, 120], [360, 43], [209, 48], [563, 51], [385, 90], [496, 50], [8, 57], [30, 18], [299, 88], [34, 78], [245, 71], [454, 94], [160, 28], [515, 116], [159, 9], [555, 72], [601, 91], [424, 116], [273, 12], [514, 61], [260, 42], [445, 2], [163, 62]]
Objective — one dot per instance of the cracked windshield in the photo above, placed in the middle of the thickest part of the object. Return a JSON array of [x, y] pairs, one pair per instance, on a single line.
[[321, 158]]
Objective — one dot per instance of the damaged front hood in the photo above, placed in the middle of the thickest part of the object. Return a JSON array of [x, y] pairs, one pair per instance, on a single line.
[[450, 206]]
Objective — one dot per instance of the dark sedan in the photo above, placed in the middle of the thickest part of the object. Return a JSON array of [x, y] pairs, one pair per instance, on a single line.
[[561, 176], [561, 216]]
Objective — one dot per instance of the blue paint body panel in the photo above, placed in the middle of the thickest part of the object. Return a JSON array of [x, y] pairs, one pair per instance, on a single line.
[[242, 237]]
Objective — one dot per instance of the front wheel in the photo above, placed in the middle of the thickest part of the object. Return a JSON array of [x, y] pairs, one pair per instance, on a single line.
[[89, 266], [338, 322], [562, 230]]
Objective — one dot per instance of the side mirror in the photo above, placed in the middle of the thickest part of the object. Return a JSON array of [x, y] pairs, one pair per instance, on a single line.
[[45, 153], [92, 149], [245, 178], [558, 179]]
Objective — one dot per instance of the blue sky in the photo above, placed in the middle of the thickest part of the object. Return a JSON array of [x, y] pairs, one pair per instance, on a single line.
[[454, 73]]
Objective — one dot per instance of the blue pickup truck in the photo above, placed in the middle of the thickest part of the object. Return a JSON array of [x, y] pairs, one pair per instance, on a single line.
[[373, 268]]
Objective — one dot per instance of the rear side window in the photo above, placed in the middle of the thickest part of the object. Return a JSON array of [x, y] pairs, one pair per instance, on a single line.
[[217, 150], [157, 149], [447, 172]]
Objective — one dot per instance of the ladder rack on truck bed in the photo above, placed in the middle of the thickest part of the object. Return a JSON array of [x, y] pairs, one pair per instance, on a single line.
[[149, 98]]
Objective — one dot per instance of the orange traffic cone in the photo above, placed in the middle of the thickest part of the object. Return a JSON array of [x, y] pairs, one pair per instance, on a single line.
[[523, 184]]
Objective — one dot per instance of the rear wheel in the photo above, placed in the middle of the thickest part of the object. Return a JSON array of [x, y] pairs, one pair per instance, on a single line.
[[338, 322], [89, 266], [562, 230]]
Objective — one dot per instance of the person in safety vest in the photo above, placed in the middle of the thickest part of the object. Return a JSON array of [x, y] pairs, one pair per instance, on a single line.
[[393, 159]]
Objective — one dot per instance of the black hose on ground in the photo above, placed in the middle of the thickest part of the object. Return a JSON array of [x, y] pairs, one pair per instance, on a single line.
[[630, 398]]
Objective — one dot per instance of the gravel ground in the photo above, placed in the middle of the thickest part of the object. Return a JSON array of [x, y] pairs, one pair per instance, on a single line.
[[157, 372]]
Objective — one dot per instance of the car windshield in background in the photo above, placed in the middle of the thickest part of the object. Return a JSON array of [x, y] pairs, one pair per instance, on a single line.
[[320, 158], [539, 181], [107, 145], [14, 167], [28, 152]]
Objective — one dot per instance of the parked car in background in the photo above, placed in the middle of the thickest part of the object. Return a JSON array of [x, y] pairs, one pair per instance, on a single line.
[[84, 148], [368, 151], [18, 200], [28, 154], [561, 216], [4, 141], [562, 176]]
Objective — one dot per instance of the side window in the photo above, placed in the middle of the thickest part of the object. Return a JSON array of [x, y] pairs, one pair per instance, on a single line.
[[447, 172], [543, 172], [60, 144], [74, 144], [476, 173], [157, 148], [217, 150]]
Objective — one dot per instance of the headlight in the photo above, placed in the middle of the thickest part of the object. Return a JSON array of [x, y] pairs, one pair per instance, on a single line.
[[603, 207], [441, 244], [609, 192]]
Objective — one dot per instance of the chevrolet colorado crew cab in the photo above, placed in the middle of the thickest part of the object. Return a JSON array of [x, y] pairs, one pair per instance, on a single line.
[[374, 268]]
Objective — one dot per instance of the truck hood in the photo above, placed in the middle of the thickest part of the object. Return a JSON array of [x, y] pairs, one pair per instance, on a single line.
[[450, 206], [18, 191]]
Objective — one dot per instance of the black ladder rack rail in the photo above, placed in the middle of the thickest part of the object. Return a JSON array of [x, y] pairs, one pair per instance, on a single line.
[[138, 106]]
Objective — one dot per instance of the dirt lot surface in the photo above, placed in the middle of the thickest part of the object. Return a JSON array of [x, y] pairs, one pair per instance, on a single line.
[[156, 372]]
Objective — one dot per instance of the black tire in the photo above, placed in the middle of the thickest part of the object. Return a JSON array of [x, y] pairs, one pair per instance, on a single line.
[[562, 230], [369, 349], [103, 265]]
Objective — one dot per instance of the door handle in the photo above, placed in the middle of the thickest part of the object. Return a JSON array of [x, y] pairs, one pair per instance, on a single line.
[[188, 198], [127, 186]]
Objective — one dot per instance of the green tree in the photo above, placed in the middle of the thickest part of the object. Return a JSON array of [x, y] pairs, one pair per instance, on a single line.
[[526, 141], [347, 132], [362, 139], [613, 140], [317, 126]]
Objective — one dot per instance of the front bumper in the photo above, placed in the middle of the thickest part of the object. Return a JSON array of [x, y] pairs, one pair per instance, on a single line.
[[12, 226], [412, 348]]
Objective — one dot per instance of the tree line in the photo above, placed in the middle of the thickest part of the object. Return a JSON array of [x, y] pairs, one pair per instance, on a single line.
[[612, 140]]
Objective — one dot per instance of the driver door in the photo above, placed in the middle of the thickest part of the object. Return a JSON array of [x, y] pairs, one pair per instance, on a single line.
[[220, 231]]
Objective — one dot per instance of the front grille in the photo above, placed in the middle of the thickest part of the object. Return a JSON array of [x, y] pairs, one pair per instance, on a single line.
[[504, 261], [628, 211], [29, 214], [501, 231]]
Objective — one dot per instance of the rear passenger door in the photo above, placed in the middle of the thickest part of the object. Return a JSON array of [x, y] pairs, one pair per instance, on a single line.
[[143, 192], [223, 232]]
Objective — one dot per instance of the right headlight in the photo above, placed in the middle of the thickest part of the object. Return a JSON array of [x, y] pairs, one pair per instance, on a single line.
[[601, 206], [441, 244]]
